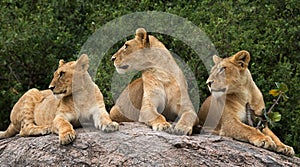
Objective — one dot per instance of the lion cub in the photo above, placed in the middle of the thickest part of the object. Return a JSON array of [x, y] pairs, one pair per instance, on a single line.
[[73, 97], [160, 93], [232, 87]]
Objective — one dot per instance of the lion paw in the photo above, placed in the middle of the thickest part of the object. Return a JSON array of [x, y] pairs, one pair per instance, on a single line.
[[265, 142], [165, 126], [47, 130], [286, 150], [183, 130], [110, 127], [67, 137]]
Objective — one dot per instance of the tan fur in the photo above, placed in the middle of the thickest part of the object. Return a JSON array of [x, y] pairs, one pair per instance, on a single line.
[[160, 93], [232, 88], [74, 97]]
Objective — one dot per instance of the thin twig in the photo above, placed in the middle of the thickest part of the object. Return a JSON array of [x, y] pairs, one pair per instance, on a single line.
[[276, 102], [12, 72], [259, 124]]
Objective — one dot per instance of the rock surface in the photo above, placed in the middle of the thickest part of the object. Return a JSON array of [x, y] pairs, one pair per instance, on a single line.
[[136, 145]]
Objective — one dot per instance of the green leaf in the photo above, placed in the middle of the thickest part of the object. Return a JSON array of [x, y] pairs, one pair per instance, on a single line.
[[267, 116], [283, 87], [285, 97], [275, 116], [277, 84]]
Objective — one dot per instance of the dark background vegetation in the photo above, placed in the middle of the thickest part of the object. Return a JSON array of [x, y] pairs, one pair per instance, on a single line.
[[36, 34]]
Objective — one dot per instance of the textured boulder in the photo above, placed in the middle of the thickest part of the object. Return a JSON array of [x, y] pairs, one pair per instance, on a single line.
[[136, 145]]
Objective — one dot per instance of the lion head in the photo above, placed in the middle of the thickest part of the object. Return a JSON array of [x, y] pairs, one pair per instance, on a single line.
[[67, 74], [134, 55], [229, 75]]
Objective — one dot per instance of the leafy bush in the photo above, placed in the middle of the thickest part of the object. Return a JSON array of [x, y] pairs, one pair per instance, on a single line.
[[36, 34]]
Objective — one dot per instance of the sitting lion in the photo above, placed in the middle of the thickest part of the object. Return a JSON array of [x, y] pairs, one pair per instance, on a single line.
[[160, 94], [74, 97], [232, 87]]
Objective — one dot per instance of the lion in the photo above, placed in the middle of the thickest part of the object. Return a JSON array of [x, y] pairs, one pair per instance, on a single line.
[[72, 96], [232, 88], [160, 95]]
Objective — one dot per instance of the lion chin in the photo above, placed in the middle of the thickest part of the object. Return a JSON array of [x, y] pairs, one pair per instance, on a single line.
[[218, 93], [59, 96]]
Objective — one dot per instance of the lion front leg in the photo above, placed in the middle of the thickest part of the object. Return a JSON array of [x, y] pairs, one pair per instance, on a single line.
[[280, 147], [152, 118], [234, 128], [34, 130], [64, 129], [102, 121]]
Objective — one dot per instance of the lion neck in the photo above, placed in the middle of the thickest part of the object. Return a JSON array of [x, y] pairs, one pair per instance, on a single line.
[[82, 85], [247, 92], [160, 64], [83, 97]]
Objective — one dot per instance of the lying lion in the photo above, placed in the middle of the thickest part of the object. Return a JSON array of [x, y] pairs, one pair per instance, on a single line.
[[74, 97], [232, 87], [161, 93]]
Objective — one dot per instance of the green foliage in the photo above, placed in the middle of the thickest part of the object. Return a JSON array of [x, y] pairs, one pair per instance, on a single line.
[[269, 117], [36, 34], [280, 92]]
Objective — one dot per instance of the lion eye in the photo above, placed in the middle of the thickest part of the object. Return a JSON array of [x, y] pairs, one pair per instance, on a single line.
[[61, 74], [222, 69]]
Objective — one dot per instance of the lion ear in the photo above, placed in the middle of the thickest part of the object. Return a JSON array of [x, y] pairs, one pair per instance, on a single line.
[[82, 62], [217, 59], [141, 35], [242, 58], [61, 62]]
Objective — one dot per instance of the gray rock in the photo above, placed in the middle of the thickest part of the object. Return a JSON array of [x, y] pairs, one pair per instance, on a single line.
[[136, 145]]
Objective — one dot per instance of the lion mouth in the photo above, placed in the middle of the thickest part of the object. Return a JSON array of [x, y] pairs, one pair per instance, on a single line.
[[62, 92], [218, 90], [124, 67]]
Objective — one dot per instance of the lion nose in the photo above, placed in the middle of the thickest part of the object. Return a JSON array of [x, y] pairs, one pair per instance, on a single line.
[[209, 83], [113, 58], [51, 87]]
